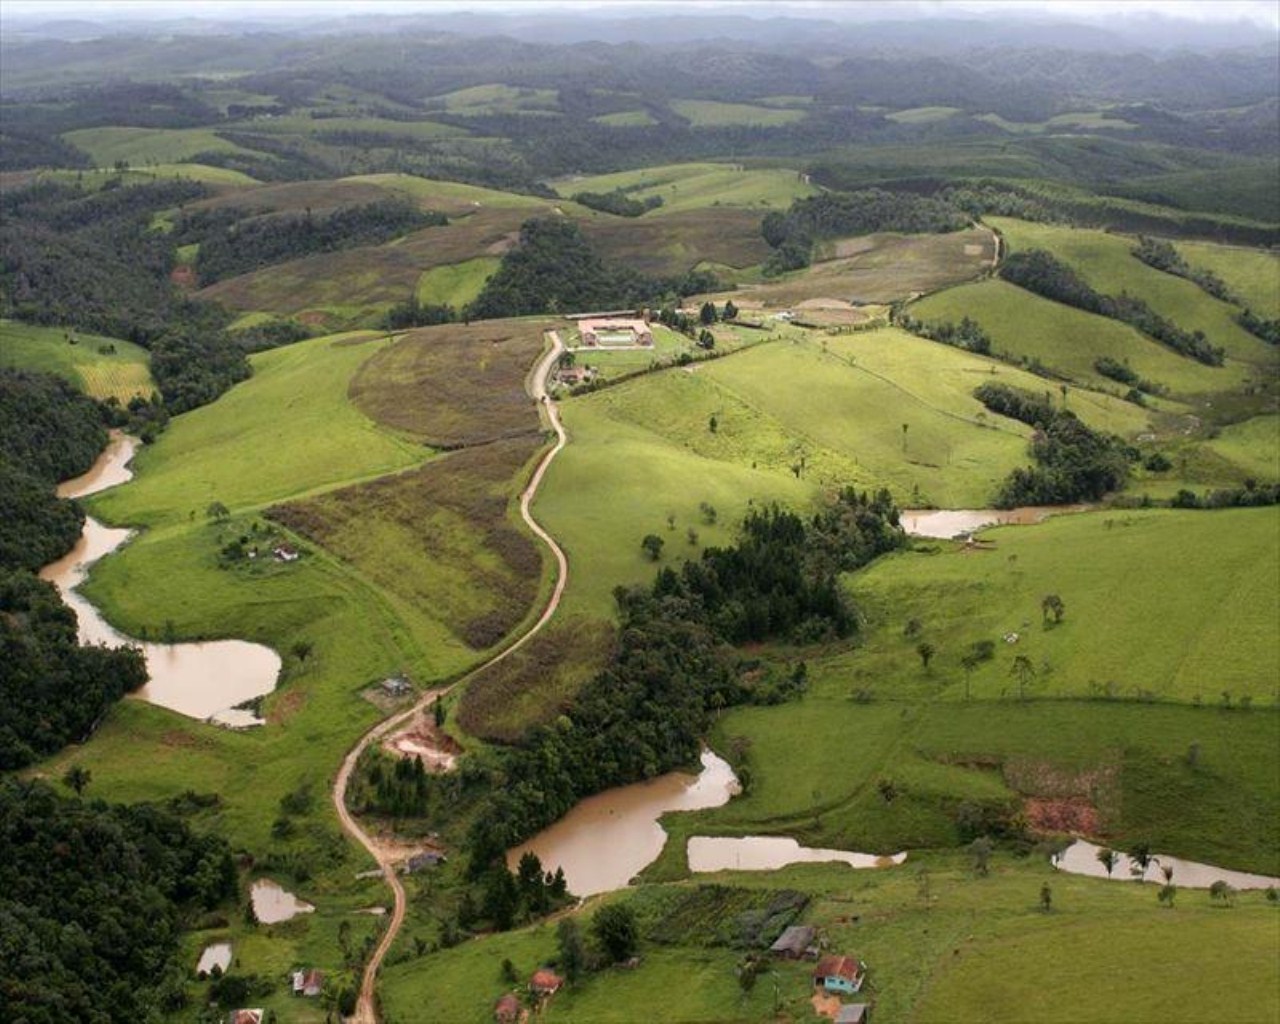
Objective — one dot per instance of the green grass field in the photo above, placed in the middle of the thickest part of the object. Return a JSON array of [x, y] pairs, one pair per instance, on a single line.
[[700, 113], [1252, 274], [142, 146], [626, 119], [1104, 260], [119, 374], [687, 187], [923, 115], [458, 283], [299, 125], [496, 98]]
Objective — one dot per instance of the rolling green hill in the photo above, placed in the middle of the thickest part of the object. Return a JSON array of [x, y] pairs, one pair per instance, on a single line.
[[102, 367]]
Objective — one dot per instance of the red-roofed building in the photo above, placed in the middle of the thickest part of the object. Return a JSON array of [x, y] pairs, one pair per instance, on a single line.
[[839, 974], [545, 983], [507, 1009]]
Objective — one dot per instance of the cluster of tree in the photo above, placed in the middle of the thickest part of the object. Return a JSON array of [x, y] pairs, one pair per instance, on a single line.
[[234, 241], [93, 898], [967, 334], [645, 712], [1073, 462], [1251, 495], [554, 269], [91, 260], [23, 150], [507, 900], [1043, 273], [1267, 330], [270, 334], [839, 214], [1123, 373], [615, 937], [412, 313], [617, 202], [394, 786], [1157, 253]]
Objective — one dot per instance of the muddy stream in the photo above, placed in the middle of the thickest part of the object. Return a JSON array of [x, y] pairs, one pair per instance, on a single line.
[[201, 680]]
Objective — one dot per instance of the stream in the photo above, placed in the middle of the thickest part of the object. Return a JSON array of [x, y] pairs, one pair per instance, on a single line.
[[201, 680]]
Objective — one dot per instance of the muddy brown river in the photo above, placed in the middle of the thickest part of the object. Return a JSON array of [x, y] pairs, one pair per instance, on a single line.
[[609, 838], [202, 680], [1081, 858]]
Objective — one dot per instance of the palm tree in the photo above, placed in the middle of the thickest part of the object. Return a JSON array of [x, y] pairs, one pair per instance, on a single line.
[[1108, 859], [78, 778]]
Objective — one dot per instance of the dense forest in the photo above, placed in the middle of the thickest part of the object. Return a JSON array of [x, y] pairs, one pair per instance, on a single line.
[[91, 260], [842, 214], [92, 901], [233, 241], [646, 712], [1043, 273], [1073, 462]]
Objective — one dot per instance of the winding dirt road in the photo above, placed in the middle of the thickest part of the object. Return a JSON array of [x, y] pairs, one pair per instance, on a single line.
[[366, 1009]]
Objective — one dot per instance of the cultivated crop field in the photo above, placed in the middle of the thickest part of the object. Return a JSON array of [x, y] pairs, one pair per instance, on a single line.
[[102, 367], [686, 187]]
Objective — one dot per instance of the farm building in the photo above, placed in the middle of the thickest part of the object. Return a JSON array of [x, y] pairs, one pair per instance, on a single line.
[[615, 332], [285, 553], [507, 1009], [396, 686], [839, 974], [572, 375], [308, 983], [794, 942], [245, 1017], [545, 983], [853, 1013], [421, 861]]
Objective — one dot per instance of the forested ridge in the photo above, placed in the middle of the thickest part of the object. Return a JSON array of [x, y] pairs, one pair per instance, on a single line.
[[92, 260], [647, 711], [93, 898]]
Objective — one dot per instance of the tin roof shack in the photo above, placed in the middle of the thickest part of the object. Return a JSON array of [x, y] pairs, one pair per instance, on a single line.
[[794, 942]]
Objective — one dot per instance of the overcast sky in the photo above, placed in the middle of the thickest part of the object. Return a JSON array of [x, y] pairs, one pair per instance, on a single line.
[[1265, 12]]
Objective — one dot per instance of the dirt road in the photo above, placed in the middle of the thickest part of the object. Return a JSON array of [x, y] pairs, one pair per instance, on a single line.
[[366, 1009]]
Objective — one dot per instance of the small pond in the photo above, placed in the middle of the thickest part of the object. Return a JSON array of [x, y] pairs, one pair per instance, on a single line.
[[768, 853], [272, 903], [216, 955], [1081, 858]]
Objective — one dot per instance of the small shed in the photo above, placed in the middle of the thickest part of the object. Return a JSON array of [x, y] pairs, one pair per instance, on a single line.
[[793, 942], [396, 686], [839, 974], [422, 861], [545, 983], [853, 1013], [285, 553], [245, 1017], [507, 1009]]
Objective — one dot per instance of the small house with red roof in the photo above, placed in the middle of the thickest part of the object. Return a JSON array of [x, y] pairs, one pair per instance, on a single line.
[[545, 983], [839, 974], [507, 1009]]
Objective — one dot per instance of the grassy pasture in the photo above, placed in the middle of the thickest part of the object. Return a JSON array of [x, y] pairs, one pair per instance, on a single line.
[[700, 113], [297, 196], [287, 430], [496, 98], [673, 245], [120, 375], [1089, 119], [923, 115], [1247, 189], [1253, 445], [439, 537], [420, 131], [879, 268], [1069, 340], [143, 146], [458, 283], [688, 187], [1252, 274], [1105, 261], [626, 119], [454, 385]]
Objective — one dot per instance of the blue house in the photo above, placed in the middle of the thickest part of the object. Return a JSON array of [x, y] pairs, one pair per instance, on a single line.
[[839, 974]]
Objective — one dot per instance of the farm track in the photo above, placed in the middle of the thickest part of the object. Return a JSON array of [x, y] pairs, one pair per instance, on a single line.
[[366, 1009]]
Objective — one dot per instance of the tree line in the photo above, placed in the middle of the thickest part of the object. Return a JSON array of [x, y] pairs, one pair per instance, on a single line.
[[1043, 273], [674, 662], [1073, 462], [93, 898], [792, 235], [91, 260], [617, 202]]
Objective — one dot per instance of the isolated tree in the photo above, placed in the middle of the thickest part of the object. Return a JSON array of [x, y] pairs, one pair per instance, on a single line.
[[77, 777], [1024, 671], [730, 310], [926, 651], [1140, 854], [302, 649], [713, 424], [1051, 606], [707, 314], [652, 545], [691, 535], [671, 520], [709, 513], [1166, 871], [1222, 892], [912, 628], [706, 339], [1046, 898], [572, 958], [615, 929], [969, 662], [1167, 894], [905, 426], [980, 850], [1108, 859], [437, 712], [507, 974], [218, 512]]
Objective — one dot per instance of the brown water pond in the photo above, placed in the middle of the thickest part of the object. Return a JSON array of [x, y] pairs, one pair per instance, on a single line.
[[768, 853], [201, 680], [1081, 858], [217, 955], [273, 903], [608, 838], [945, 523]]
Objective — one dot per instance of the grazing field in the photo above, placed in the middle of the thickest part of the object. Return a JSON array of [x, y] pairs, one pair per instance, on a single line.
[[700, 113], [924, 944], [454, 385], [440, 538], [142, 146], [686, 187], [102, 367], [456, 284], [418, 131], [923, 115], [496, 98], [1252, 274], [1253, 445], [674, 245], [1105, 261], [298, 196], [626, 119], [1068, 340], [287, 430], [879, 268], [1089, 119]]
